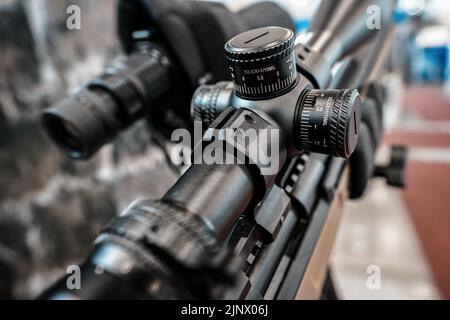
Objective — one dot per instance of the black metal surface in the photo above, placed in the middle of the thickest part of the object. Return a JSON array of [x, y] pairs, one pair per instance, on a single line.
[[306, 191], [264, 270], [394, 171], [272, 212], [332, 178], [298, 264], [219, 193]]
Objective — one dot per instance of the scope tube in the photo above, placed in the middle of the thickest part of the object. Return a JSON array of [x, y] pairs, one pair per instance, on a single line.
[[209, 197], [181, 237], [338, 29], [219, 194]]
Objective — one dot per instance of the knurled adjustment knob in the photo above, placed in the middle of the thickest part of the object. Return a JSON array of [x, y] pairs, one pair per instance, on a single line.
[[328, 122], [262, 62]]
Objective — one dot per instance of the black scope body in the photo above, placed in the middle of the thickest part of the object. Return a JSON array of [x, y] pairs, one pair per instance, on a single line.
[[174, 247], [160, 74], [262, 64]]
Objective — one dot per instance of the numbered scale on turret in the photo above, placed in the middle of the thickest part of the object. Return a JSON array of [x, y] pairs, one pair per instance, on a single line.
[[263, 66], [329, 121], [262, 62]]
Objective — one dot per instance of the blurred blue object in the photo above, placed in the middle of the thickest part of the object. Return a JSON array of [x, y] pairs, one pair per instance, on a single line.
[[430, 65], [399, 16], [435, 64], [430, 55], [301, 25]]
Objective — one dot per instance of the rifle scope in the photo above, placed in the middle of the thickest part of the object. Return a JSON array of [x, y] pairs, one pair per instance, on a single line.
[[263, 68], [161, 72], [177, 247], [82, 123], [174, 247]]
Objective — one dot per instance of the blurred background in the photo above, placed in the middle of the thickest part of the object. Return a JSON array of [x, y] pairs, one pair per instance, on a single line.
[[51, 208]]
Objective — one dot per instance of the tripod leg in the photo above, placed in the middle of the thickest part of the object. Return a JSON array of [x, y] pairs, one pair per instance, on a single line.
[[328, 290]]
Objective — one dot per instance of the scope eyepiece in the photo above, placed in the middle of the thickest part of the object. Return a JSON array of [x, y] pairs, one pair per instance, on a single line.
[[81, 124]]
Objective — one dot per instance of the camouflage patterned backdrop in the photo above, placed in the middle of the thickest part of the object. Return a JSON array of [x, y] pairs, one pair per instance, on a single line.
[[51, 208]]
